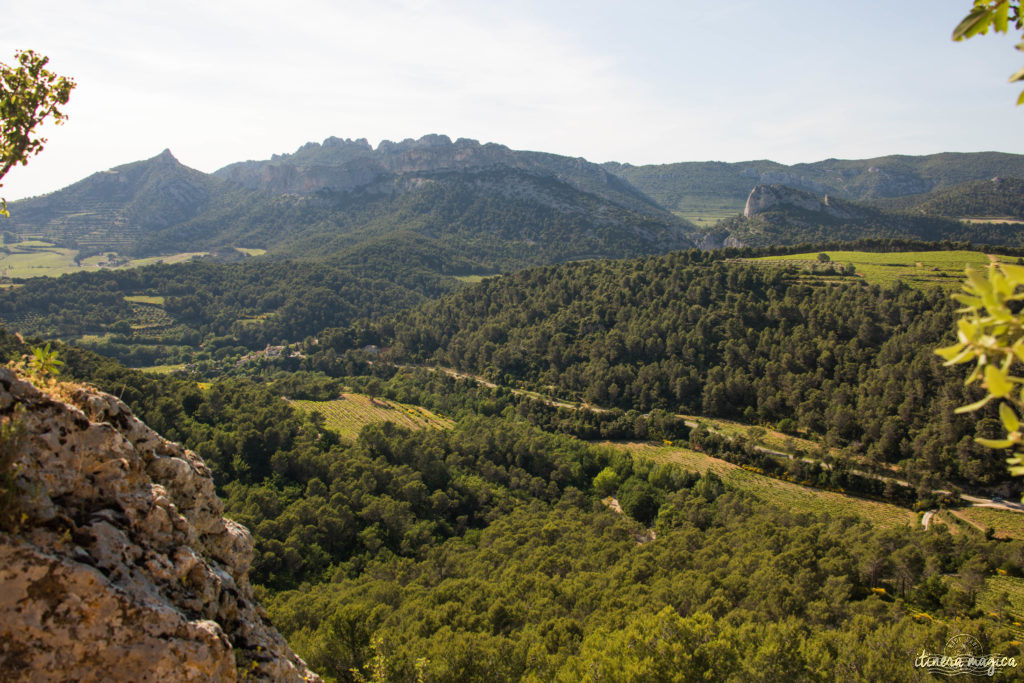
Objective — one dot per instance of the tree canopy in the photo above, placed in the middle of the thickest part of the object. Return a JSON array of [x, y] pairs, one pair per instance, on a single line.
[[29, 94], [997, 15]]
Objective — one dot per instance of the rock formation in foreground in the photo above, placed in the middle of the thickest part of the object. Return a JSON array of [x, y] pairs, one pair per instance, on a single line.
[[119, 564]]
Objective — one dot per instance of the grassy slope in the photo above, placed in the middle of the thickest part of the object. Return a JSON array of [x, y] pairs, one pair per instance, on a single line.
[[785, 494], [35, 258]]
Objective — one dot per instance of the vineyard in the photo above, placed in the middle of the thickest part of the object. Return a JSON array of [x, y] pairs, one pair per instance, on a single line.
[[914, 268], [785, 494], [1005, 523], [350, 413]]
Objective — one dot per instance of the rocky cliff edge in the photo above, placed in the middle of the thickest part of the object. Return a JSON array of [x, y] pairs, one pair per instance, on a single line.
[[119, 564]]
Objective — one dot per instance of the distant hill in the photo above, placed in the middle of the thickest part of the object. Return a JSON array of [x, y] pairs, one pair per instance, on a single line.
[[435, 206], [474, 208], [115, 209], [688, 186], [474, 221], [997, 197], [777, 214]]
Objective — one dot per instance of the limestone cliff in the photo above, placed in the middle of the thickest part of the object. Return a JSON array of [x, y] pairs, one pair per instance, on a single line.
[[765, 198], [120, 564]]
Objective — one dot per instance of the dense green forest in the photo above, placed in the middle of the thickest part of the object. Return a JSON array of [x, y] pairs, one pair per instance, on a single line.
[[999, 197], [225, 309], [688, 332], [489, 551], [484, 552]]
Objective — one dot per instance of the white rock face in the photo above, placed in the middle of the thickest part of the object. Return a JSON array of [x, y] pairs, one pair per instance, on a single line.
[[122, 566], [764, 197]]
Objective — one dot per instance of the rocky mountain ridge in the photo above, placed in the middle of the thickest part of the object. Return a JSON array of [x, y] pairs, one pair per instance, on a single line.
[[340, 194], [343, 164], [120, 564]]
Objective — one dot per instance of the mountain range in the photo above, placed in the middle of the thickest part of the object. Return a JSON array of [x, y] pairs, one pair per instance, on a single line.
[[464, 207]]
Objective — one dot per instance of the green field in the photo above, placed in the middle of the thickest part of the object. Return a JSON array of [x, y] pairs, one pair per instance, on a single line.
[[143, 299], [764, 436], [707, 215], [162, 369], [35, 258], [472, 279], [349, 414], [784, 494], [914, 268]]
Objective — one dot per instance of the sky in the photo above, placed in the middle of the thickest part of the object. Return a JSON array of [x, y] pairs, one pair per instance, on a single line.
[[643, 82]]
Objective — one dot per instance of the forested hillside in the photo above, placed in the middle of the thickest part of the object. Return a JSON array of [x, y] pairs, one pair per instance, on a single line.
[[779, 215], [689, 187], [196, 311], [998, 197], [483, 553], [479, 221], [689, 332]]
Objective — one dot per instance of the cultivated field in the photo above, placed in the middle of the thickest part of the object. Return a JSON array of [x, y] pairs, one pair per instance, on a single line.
[[352, 412], [782, 493], [1006, 523], [914, 268], [992, 601], [36, 258], [706, 214]]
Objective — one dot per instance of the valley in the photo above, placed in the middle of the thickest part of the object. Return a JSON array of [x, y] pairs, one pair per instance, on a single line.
[[433, 360]]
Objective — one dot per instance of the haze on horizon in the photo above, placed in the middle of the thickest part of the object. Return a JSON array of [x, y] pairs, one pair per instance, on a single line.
[[654, 82]]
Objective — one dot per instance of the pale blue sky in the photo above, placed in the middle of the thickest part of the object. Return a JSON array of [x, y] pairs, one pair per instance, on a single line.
[[639, 82]]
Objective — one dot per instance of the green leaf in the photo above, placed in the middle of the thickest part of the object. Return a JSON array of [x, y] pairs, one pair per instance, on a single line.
[[1008, 417], [995, 443], [1017, 76], [950, 352], [973, 406], [1013, 273], [967, 300], [1001, 16], [974, 23], [996, 382], [980, 283]]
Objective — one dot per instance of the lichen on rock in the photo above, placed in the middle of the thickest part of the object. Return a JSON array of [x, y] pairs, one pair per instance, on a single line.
[[120, 564]]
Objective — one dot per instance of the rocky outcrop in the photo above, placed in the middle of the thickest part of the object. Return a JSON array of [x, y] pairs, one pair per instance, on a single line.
[[764, 198], [345, 165], [120, 565]]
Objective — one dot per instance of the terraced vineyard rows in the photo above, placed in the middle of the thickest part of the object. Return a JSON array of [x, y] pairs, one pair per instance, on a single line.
[[350, 413], [1006, 523], [1003, 596]]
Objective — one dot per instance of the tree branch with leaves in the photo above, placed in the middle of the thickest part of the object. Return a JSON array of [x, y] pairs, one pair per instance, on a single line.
[[998, 16], [990, 334], [29, 94]]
